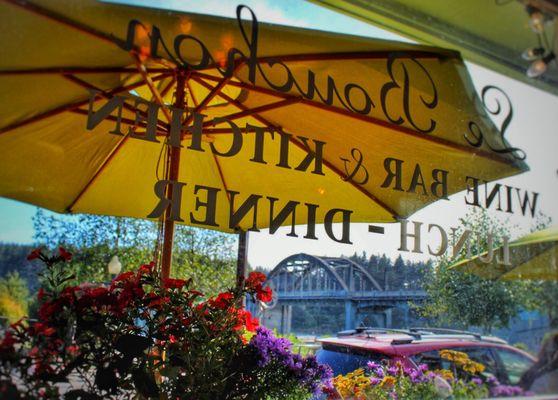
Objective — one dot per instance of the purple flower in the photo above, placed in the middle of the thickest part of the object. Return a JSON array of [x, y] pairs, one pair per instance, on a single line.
[[492, 381], [393, 370], [423, 367], [418, 377], [276, 353], [371, 365], [506, 391], [477, 381], [374, 381], [379, 372]]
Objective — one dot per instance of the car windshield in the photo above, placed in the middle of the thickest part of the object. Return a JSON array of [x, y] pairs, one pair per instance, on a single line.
[[343, 359]]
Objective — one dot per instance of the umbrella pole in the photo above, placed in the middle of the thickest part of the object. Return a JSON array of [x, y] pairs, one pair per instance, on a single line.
[[174, 164], [242, 258]]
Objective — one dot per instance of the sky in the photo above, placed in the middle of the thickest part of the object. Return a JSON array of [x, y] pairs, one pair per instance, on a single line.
[[533, 129]]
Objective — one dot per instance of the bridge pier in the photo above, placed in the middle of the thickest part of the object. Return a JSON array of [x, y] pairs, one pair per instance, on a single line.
[[388, 318], [350, 314]]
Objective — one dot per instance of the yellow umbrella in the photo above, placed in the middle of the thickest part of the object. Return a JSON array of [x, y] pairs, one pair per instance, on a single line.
[[73, 72], [532, 257]]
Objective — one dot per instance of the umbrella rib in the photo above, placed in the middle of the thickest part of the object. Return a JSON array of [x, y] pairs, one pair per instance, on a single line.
[[87, 85], [192, 93], [367, 118], [62, 19], [288, 58], [440, 54], [168, 87], [72, 106], [270, 125], [215, 90], [80, 70], [101, 168], [199, 107], [222, 178], [152, 88], [126, 121], [256, 110], [218, 131], [362, 55]]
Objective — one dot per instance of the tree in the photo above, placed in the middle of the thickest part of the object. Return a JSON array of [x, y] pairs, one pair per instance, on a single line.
[[206, 256], [14, 296], [465, 299], [545, 293]]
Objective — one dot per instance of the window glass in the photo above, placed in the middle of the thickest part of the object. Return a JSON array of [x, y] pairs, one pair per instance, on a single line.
[[481, 355], [343, 360], [514, 364]]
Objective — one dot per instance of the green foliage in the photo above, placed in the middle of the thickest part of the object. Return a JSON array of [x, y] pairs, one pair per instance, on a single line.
[[14, 297], [13, 258], [147, 337], [545, 300], [465, 299], [521, 346], [208, 257], [394, 275]]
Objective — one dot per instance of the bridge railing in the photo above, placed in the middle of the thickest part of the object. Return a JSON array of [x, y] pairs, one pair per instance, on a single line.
[[353, 295]]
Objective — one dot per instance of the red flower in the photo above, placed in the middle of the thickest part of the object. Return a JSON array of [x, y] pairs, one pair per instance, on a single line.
[[43, 329], [72, 349], [48, 309], [265, 294], [7, 344], [158, 301], [245, 319], [123, 277], [66, 256], [146, 269], [223, 300], [255, 280], [251, 323], [169, 283], [34, 254]]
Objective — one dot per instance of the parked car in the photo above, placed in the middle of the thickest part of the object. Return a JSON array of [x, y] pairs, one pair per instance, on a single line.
[[353, 349]]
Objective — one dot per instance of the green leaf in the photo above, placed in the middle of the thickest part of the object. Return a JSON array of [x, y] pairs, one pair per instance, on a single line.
[[132, 345], [106, 379], [145, 383], [79, 394]]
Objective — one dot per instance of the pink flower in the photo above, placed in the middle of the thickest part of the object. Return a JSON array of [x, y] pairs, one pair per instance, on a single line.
[[65, 255], [34, 254], [169, 283]]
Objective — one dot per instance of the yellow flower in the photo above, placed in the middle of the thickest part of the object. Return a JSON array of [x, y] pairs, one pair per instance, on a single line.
[[351, 385], [473, 367], [444, 373], [457, 357], [388, 381]]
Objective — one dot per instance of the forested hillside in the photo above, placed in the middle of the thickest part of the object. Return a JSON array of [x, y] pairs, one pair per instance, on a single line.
[[394, 275]]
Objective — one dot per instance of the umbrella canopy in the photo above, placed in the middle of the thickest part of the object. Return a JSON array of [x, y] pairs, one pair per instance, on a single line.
[[332, 100], [532, 257]]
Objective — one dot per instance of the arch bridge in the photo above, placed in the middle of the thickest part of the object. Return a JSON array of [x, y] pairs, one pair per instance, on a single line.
[[307, 278]]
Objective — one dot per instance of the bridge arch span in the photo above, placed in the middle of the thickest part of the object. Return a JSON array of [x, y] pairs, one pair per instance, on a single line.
[[307, 273]]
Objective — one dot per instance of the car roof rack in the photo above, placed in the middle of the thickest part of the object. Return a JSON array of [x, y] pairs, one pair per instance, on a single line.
[[427, 330], [370, 330]]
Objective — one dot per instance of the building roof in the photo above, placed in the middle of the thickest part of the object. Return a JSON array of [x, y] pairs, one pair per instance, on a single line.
[[493, 33]]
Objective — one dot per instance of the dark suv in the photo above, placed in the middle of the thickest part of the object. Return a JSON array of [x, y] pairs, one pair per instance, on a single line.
[[353, 349]]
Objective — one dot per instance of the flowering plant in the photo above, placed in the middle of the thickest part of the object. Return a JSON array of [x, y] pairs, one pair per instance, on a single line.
[[378, 381], [394, 381], [147, 336]]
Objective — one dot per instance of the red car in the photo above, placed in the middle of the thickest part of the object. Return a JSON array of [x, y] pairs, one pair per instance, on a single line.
[[353, 349]]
